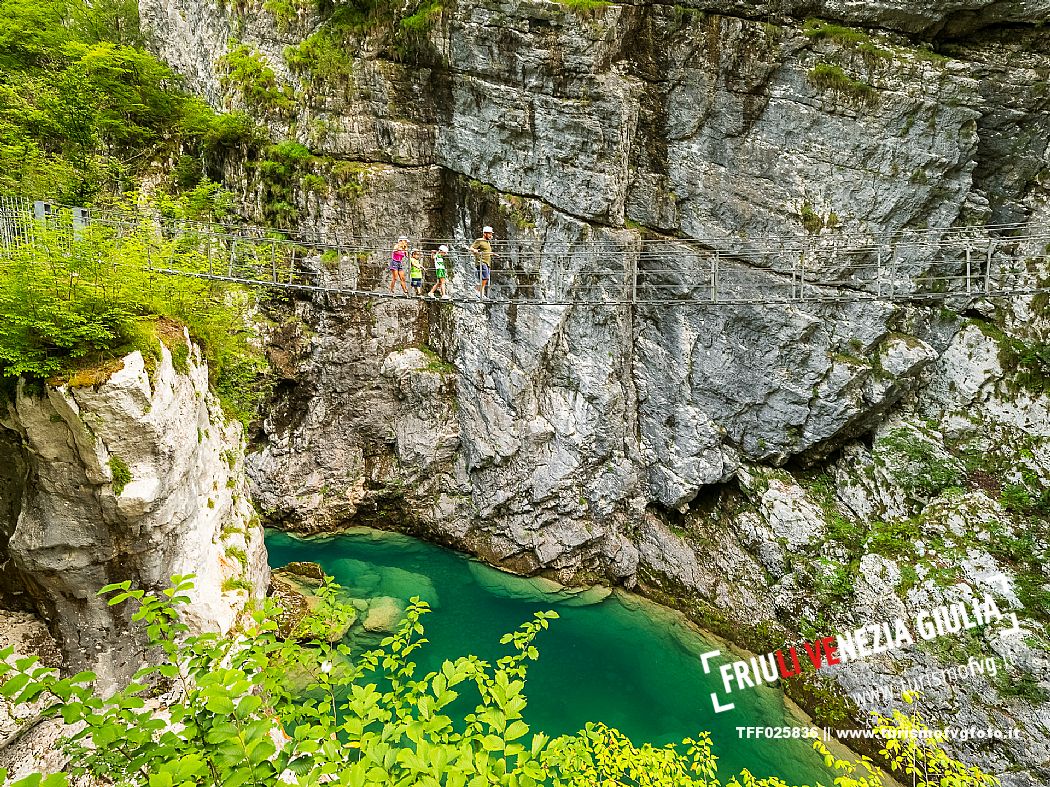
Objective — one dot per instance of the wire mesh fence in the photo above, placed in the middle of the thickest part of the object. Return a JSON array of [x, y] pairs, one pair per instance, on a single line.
[[617, 268]]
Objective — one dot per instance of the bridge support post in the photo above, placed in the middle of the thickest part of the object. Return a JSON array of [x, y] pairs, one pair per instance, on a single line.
[[878, 271], [988, 268], [969, 270], [802, 274], [714, 276], [233, 256], [893, 270], [634, 280]]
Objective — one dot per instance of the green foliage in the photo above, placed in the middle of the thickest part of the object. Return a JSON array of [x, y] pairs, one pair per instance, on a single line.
[[1024, 685], [584, 5], [423, 18], [920, 757], [819, 30], [435, 363], [247, 72], [236, 583], [83, 108], [400, 32], [834, 584], [282, 171], [829, 76], [811, 220], [241, 380], [1029, 360], [849, 38], [72, 303], [320, 58], [917, 465], [285, 12], [238, 554], [1024, 499], [326, 55], [121, 474], [249, 709], [234, 130], [893, 539]]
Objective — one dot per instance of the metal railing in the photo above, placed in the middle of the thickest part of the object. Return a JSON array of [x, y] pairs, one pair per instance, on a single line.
[[618, 268]]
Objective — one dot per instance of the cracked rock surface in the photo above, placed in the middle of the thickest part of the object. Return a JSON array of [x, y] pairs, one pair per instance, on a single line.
[[138, 478], [759, 466]]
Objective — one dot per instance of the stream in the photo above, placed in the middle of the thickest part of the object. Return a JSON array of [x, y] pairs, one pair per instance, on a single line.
[[612, 657]]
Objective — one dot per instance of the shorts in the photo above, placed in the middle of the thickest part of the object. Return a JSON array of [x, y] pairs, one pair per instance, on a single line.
[[396, 266], [440, 274], [485, 272], [417, 282]]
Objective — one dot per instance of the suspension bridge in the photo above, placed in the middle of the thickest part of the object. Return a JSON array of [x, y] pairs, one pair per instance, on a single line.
[[611, 267]]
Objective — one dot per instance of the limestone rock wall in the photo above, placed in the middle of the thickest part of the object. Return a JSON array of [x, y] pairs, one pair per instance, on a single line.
[[734, 461], [138, 478]]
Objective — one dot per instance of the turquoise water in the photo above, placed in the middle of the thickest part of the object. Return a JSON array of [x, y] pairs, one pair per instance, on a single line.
[[618, 659]]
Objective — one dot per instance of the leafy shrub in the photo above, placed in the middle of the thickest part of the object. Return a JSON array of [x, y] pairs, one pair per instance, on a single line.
[[282, 172], [69, 302], [893, 538], [247, 72], [917, 465], [247, 710]]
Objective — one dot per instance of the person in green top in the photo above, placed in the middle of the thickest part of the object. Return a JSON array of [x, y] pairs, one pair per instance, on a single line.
[[415, 272], [482, 251], [440, 271]]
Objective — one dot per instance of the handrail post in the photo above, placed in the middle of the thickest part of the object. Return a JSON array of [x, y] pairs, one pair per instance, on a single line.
[[714, 276], [233, 256], [988, 268], [969, 269], [878, 271], [893, 271], [802, 273]]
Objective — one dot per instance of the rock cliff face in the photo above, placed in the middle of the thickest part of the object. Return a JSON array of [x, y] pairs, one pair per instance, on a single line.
[[137, 478], [782, 469]]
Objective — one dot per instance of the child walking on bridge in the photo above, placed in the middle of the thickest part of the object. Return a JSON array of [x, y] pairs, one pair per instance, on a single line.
[[397, 264], [440, 271], [415, 273]]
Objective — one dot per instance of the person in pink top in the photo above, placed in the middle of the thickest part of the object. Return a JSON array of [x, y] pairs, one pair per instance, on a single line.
[[398, 260]]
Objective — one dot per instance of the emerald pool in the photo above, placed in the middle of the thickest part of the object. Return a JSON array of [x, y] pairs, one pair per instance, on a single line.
[[612, 657]]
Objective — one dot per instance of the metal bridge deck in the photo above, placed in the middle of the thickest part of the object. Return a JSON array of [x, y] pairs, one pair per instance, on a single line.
[[621, 268]]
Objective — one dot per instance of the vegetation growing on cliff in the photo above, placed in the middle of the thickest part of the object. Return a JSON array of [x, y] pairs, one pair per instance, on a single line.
[[260, 710], [246, 71], [829, 76], [327, 54], [70, 300], [84, 109]]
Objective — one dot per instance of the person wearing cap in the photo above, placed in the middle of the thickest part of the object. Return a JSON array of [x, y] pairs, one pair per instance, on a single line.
[[482, 251], [397, 264], [440, 271]]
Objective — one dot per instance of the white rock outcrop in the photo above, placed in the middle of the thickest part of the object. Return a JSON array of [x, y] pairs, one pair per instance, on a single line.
[[138, 478]]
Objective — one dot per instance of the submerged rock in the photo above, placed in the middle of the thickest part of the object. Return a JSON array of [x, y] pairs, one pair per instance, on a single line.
[[384, 613], [294, 588]]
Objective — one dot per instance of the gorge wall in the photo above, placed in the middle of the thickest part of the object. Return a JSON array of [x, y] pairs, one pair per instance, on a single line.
[[775, 471], [131, 474]]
